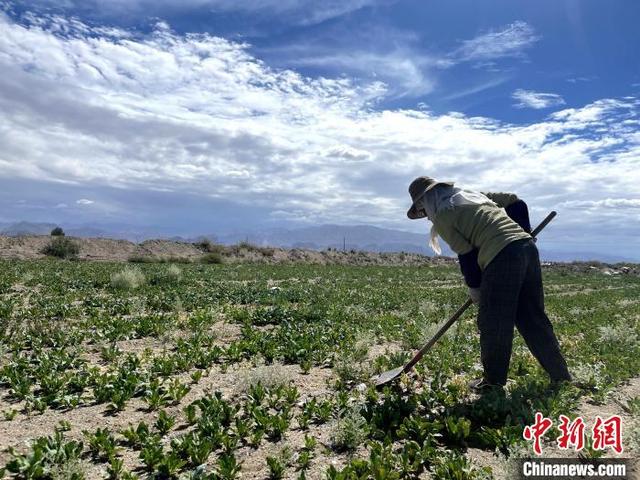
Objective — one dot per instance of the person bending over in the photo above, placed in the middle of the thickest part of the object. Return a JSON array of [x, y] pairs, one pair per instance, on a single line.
[[500, 263]]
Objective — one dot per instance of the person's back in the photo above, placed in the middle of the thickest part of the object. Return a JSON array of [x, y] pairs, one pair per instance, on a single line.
[[486, 227]]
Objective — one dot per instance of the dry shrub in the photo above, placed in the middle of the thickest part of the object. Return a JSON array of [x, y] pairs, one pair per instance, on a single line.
[[268, 375], [127, 279], [173, 274], [349, 432], [213, 258], [168, 276], [621, 334]]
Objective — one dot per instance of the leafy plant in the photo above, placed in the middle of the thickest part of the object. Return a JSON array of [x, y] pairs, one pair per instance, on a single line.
[[46, 453], [176, 390], [135, 436], [228, 467], [102, 444], [165, 422], [456, 430], [278, 463]]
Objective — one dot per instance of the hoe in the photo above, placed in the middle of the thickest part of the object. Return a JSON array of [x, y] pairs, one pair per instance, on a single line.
[[391, 375]]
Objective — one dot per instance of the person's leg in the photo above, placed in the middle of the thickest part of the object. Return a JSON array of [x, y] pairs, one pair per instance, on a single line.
[[533, 323], [501, 284]]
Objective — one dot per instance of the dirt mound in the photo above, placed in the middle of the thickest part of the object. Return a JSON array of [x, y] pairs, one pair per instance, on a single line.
[[106, 249]]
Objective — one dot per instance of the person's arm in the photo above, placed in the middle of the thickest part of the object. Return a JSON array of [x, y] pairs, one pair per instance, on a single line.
[[515, 208], [501, 199], [470, 268], [519, 213]]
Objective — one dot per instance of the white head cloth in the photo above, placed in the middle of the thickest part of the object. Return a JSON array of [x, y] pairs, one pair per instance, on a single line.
[[445, 197]]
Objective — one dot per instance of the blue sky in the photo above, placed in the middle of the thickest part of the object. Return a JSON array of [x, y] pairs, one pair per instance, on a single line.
[[211, 114]]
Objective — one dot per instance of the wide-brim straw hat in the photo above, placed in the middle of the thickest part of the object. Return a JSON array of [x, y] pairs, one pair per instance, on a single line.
[[417, 189]]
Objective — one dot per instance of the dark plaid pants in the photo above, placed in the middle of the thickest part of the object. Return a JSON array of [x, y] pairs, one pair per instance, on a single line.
[[511, 294]]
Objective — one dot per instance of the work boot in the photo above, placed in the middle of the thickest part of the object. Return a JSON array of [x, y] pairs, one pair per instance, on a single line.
[[481, 386]]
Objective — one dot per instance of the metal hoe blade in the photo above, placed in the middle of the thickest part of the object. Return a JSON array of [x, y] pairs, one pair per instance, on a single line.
[[391, 375]]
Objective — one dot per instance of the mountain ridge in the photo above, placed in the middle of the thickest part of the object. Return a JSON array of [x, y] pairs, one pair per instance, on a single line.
[[315, 237]]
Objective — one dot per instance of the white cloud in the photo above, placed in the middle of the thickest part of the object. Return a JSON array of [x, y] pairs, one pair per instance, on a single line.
[[604, 203], [391, 56], [537, 100], [349, 153], [198, 115], [84, 201], [510, 41], [477, 88], [403, 71], [582, 79]]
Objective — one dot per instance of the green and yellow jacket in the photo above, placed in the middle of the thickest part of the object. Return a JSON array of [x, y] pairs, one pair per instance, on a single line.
[[477, 233]]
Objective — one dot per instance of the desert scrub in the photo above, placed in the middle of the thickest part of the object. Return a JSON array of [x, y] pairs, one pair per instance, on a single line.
[[591, 376], [127, 279], [142, 259], [349, 431], [350, 366], [61, 247], [208, 246], [172, 275], [269, 376], [213, 257], [621, 334]]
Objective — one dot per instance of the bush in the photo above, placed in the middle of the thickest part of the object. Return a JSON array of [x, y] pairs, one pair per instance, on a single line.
[[203, 244], [269, 376], [61, 247], [173, 274], [175, 260], [618, 334], [57, 232], [349, 432], [208, 246], [212, 258], [244, 246], [127, 279], [142, 259], [154, 259]]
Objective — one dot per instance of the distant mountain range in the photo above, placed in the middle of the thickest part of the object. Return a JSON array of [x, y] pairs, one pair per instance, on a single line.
[[349, 237], [83, 231], [356, 237]]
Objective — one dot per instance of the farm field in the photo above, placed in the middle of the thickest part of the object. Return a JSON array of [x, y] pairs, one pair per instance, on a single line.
[[112, 370]]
